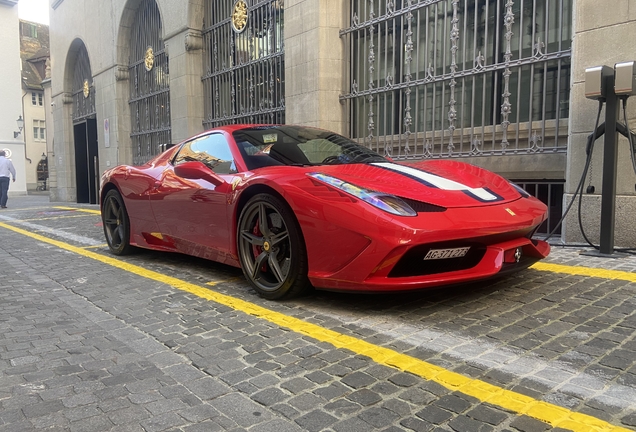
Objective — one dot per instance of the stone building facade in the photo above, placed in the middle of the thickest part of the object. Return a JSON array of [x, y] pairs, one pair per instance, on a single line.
[[492, 82], [34, 53]]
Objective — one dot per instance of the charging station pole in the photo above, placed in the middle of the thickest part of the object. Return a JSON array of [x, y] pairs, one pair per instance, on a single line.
[[610, 162], [608, 85]]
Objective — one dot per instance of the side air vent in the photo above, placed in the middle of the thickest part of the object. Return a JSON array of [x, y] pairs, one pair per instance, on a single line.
[[422, 207]]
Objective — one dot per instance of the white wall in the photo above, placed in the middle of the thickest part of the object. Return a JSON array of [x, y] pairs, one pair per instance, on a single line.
[[11, 91]]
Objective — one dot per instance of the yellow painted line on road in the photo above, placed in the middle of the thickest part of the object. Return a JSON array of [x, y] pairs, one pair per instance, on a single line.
[[14, 209], [585, 271], [91, 211], [96, 246], [483, 391], [54, 217]]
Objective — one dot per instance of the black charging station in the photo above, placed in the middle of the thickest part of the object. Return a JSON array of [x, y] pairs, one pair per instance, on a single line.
[[608, 86]]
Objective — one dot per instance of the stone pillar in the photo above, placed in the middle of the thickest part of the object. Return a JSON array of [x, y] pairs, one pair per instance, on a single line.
[[602, 36], [63, 162], [119, 119], [186, 88], [316, 69], [107, 108], [50, 128]]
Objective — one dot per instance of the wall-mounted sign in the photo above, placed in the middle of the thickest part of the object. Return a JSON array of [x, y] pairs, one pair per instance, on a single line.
[[7, 153]]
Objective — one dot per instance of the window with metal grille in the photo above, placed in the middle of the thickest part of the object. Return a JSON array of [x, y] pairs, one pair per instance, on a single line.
[[149, 85], [452, 78], [83, 89], [244, 67]]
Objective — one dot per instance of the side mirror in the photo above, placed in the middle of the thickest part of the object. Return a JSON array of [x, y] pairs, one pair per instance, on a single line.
[[195, 170]]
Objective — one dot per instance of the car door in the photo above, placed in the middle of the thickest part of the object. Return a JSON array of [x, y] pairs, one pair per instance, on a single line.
[[193, 212]]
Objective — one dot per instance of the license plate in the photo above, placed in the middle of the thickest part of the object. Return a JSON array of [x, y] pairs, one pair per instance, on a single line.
[[446, 253]]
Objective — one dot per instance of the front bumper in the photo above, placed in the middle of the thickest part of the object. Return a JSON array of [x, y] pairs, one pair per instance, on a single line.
[[492, 263], [393, 259]]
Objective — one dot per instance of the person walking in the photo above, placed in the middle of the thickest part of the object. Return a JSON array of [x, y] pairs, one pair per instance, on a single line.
[[6, 170]]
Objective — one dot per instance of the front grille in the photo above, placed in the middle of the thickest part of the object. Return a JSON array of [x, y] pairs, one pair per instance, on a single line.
[[413, 263]]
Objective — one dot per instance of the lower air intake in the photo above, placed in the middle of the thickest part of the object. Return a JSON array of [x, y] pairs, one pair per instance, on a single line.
[[414, 264]]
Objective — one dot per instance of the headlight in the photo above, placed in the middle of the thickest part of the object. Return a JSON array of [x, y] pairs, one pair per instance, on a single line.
[[520, 190], [388, 203]]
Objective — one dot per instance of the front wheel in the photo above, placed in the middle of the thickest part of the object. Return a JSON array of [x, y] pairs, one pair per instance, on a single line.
[[271, 248], [116, 223]]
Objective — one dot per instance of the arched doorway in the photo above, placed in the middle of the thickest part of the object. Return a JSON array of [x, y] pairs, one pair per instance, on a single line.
[[149, 85], [85, 130]]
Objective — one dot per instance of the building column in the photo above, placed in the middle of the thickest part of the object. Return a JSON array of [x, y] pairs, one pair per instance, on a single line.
[[61, 163], [316, 69], [50, 129], [602, 36], [186, 88]]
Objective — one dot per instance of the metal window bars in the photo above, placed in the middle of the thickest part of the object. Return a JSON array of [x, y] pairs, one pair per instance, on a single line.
[[83, 91], [149, 85], [244, 71], [459, 78], [550, 193]]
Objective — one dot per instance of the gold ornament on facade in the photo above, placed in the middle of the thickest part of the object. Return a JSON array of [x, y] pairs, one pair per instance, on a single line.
[[86, 89], [239, 16], [149, 58]]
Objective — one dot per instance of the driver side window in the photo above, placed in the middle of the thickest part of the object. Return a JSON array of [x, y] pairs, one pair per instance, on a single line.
[[213, 150]]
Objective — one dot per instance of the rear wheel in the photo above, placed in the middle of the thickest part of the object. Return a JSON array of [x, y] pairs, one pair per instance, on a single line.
[[116, 223], [271, 248]]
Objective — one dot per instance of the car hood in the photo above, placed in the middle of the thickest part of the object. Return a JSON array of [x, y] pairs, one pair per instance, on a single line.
[[443, 183]]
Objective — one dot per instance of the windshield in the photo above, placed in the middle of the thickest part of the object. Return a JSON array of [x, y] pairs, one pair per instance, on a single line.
[[294, 145]]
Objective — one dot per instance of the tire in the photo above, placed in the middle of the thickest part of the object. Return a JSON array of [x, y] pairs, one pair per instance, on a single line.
[[116, 223], [273, 259]]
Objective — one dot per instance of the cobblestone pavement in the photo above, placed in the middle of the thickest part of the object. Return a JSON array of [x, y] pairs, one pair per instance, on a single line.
[[87, 346]]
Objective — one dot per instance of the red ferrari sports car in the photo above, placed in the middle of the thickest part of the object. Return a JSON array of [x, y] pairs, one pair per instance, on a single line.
[[297, 207]]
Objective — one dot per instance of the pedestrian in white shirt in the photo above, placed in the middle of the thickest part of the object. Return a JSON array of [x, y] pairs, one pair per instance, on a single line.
[[6, 170]]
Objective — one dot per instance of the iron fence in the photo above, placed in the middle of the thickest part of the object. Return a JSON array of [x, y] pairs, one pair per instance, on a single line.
[[149, 79], [458, 78], [244, 65], [83, 89], [551, 194]]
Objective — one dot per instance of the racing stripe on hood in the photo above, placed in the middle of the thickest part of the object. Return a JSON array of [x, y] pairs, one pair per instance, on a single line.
[[435, 181]]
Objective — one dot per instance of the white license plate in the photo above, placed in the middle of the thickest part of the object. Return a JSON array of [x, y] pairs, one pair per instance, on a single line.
[[446, 253]]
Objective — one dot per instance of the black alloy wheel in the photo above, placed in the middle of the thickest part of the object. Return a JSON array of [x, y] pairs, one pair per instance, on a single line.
[[116, 223], [271, 248]]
